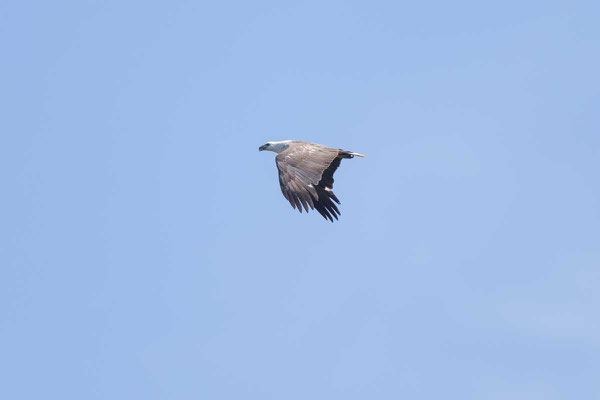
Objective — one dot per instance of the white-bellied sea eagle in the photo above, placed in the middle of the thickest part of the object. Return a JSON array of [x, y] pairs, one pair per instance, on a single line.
[[306, 174]]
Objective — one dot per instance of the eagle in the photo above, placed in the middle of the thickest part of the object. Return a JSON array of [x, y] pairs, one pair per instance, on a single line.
[[306, 174]]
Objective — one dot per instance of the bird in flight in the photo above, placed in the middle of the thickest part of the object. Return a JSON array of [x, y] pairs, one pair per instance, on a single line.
[[306, 174]]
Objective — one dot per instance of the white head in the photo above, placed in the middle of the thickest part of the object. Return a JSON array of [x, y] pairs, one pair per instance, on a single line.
[[276, 147]]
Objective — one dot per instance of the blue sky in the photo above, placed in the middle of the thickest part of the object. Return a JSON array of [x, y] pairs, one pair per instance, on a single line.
[[146, 250]]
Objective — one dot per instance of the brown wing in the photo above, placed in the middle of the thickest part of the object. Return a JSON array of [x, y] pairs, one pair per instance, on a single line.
[[306, 177]]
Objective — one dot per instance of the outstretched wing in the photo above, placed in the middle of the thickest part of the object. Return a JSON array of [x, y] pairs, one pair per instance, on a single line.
[[306, 177]]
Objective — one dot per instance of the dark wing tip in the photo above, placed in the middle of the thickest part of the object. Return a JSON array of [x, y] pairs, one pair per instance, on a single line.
[[324, 205]]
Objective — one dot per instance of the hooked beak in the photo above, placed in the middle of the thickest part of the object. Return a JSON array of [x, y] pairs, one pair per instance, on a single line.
[[261, 148]]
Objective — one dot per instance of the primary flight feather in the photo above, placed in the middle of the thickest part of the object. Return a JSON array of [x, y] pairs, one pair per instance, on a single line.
[[306, 174]]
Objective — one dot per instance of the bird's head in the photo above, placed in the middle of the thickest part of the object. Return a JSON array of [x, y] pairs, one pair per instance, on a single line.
[[264, 146], [276, 147]]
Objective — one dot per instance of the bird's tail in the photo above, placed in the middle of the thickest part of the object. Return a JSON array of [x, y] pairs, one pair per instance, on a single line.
[[356, 154], [349, 154]]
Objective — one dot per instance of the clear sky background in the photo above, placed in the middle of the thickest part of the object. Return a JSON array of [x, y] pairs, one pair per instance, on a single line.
[[146, 250]]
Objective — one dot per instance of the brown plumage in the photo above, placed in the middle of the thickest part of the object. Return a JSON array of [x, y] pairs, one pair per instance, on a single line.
[[306, 174]]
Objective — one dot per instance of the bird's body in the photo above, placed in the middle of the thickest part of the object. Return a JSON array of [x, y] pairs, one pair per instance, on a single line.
[[306, 174]]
